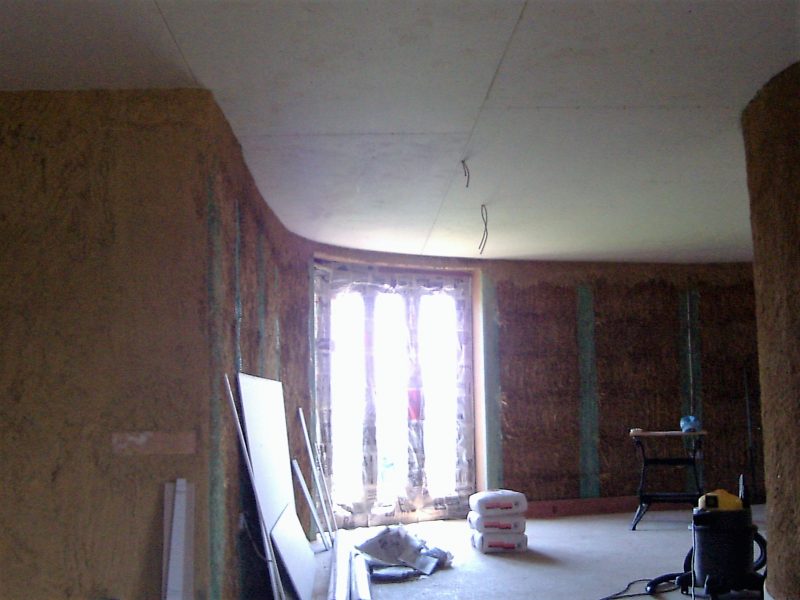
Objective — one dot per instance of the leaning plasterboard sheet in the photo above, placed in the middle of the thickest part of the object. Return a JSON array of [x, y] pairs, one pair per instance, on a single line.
[[265, 429], [187, 568], [294, 550]]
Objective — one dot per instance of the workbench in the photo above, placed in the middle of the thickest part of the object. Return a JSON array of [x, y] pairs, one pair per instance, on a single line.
[[691, 444]]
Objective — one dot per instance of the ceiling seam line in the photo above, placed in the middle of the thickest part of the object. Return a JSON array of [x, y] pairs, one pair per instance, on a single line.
[[357, 134], [175, 41], [613, 107], [467, 144], [502, 59]]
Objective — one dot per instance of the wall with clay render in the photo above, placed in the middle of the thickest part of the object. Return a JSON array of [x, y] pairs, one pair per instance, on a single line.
[[771, 126], [139, 264], [588, 352]]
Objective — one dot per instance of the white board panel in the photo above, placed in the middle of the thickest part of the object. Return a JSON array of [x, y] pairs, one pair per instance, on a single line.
[[264, 418], [177, 574], [292, 545]]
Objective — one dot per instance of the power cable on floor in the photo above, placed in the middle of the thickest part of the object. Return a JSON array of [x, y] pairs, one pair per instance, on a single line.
[[623, 593]]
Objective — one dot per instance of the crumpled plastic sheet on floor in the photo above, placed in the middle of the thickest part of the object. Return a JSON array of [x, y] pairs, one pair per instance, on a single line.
[[395, 554]]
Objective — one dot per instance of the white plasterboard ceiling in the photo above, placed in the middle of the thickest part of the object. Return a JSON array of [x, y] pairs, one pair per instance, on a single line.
[[591, 130]]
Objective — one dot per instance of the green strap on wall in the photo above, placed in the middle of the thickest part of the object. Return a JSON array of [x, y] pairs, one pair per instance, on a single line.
[[691, 376], [216, 486], [589, 413], [493, 424], [261, 304], [237, 279], [691, 372]]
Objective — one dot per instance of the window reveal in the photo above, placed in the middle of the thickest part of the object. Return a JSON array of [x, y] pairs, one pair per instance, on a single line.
[[394, 383]]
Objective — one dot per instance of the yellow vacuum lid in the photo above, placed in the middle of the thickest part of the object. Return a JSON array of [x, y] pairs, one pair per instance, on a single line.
[[720, 500]]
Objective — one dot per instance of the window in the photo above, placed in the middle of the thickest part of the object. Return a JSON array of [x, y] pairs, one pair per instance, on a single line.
[[394, 392]]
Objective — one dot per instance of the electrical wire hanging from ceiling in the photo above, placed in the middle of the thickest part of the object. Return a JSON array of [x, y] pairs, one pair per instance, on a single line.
[[484, 212], [485, 237]]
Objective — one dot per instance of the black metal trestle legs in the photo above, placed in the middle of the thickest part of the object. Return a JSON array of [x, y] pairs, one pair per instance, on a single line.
[[638, 515]]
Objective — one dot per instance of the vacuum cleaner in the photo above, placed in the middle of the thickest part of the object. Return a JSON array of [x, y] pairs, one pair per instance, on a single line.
[[721, 559]]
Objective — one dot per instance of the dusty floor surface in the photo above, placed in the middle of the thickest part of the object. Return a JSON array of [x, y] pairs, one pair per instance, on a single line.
[[571, 558]]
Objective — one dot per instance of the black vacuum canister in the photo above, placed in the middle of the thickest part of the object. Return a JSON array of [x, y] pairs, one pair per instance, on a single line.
[[723, 544]]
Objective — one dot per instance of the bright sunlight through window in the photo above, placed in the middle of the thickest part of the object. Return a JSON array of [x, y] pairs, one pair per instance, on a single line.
[[348, 377], [438, 351], [393, 403]]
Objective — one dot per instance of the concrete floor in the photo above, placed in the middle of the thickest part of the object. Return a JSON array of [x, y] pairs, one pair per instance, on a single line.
[[574, 558]]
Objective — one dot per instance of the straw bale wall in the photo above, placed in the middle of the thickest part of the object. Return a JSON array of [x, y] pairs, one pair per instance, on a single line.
[[140, 264], [538, 371], [771, 126], [638, 378]]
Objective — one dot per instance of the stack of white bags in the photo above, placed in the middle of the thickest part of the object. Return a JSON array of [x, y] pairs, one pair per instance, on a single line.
[[497, 518]]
